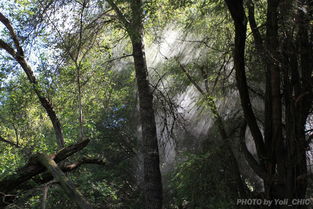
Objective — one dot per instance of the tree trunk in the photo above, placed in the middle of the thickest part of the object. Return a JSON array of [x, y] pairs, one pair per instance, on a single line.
[[288, 77], [80, 105], [152, 174], [237, 12], [277, 150]]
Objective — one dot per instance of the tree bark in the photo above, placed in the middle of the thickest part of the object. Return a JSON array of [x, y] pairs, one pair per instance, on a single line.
[[277, 154]]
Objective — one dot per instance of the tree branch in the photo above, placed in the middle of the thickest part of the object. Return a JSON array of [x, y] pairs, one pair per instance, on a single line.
[[13, 35], [120, 15], [46, 177], [7, 48], [190, 78], [254, 28]]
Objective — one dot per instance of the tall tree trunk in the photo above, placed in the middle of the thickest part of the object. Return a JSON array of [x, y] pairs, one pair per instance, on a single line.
[[303, 98], [276, 146], [152, 173]]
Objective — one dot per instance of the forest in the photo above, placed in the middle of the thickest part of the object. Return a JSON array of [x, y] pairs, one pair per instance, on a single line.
[[156, 104]]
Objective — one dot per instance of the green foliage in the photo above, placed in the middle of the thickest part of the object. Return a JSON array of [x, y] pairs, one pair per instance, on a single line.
[[200, 181]]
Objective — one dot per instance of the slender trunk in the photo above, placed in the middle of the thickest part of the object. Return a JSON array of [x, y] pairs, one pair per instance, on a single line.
[[278, 151], [238, 14], [17, 141], [80, 106]]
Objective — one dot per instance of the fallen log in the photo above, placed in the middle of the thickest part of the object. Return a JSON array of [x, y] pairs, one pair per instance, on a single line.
[[10, 183], [66, 184], [66, 168]]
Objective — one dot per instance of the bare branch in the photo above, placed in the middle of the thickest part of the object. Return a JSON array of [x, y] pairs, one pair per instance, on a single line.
[[189, 77]]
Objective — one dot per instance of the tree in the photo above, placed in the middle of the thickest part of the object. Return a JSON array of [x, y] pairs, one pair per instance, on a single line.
[[152, 174], [18, 55], [281, 151]]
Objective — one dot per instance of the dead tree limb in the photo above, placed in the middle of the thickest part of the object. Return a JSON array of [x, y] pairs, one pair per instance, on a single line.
[[33, 168], [46, 177], [65, 183]]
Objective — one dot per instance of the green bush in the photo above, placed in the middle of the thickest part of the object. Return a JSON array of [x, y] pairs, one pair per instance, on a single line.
[[201, 181]]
